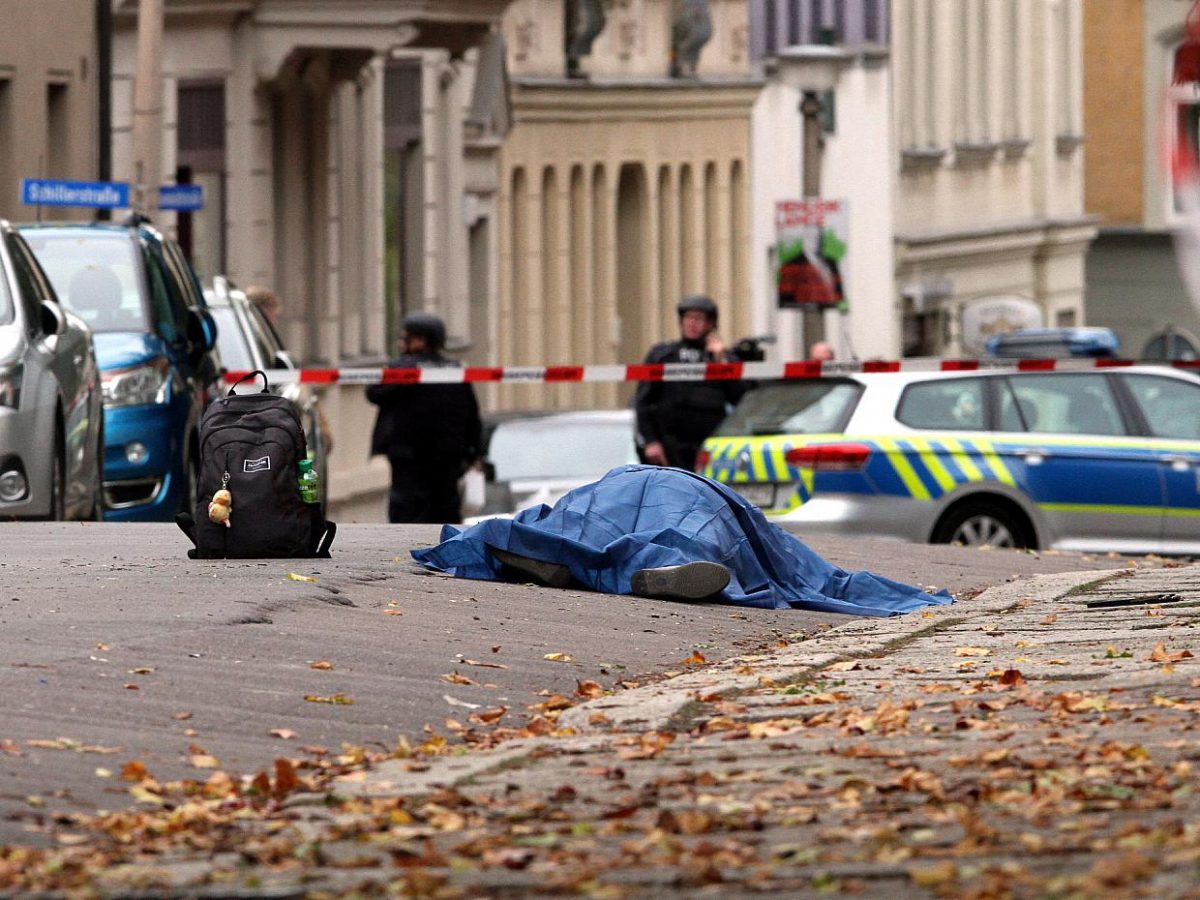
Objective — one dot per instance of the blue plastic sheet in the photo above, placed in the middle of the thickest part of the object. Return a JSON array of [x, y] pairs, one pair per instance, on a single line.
[[638, 517]]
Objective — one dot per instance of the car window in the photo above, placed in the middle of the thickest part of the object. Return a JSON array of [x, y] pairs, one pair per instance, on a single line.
[[95, 276], [1065, 403], [231, 341], [181, 272], [947, 405], [1171, 406], [263, 335], [27, 282], [166, 298], [818, 406], [554, 448], [6, 306]]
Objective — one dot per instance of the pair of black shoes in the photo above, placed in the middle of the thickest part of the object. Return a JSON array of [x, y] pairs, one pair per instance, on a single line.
[[690, 581]]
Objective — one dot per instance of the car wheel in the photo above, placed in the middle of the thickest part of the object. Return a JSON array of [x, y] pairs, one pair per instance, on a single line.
[[58, 481], [97, 514], [978, 523]]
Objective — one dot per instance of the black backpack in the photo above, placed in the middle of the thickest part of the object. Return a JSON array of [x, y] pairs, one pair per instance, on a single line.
[[251, 445]]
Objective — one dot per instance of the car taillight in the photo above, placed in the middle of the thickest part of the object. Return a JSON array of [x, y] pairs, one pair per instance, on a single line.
[[703, 458], [830, 457]]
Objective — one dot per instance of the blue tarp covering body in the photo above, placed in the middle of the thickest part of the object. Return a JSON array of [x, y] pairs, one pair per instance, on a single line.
[[638, 517]]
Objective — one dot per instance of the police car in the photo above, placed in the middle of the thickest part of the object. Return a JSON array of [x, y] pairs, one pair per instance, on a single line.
[[1094, 459]]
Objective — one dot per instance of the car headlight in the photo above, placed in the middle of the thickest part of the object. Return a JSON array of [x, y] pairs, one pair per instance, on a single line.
[[138, 385], [10, 385]]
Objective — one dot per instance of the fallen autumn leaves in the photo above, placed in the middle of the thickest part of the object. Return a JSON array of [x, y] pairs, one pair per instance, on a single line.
[[1061, 766]]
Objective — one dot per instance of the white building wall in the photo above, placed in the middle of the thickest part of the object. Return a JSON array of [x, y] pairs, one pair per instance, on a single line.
[[856, 167]]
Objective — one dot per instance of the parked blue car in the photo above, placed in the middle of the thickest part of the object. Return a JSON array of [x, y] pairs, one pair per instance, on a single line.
[[153, 336]]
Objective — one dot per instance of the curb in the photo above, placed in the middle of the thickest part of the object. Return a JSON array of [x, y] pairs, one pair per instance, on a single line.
[[652, 707]]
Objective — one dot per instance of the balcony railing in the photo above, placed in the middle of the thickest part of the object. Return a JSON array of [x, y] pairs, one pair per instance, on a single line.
[[775, 24]]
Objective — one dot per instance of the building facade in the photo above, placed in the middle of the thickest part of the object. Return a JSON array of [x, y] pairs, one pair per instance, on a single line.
[[855, 165], [1131, 111], [624, 183], [956, 140], [991, 232], [50, 82], [348, 156]]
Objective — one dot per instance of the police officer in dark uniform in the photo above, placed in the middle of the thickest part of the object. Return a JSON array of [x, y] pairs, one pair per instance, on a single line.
[[430, 433], [674, 417]]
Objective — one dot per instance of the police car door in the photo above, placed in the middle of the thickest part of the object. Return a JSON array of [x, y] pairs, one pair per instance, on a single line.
[[1097, 485], [1170, 407]]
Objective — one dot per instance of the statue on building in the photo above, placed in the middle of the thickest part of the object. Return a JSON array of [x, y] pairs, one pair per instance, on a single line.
[[585, 21], [691, 30]]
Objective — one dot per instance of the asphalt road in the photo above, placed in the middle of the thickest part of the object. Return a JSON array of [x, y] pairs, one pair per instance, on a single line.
[[114, 647]]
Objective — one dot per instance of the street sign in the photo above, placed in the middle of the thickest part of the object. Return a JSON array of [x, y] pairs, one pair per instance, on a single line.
[[55, 192], [181, 197]]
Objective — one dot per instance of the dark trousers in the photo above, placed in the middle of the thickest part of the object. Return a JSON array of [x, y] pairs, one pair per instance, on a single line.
[[424, 491]]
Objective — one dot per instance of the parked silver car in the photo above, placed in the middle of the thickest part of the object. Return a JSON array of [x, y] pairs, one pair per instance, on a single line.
[[51, 414], [537, 458], [245, 342]]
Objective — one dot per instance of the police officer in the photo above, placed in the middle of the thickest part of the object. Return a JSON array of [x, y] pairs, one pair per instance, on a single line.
[[430, 433], [674, 417]]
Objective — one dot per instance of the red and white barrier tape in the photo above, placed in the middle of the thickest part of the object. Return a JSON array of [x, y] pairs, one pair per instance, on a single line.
[[755, 371]]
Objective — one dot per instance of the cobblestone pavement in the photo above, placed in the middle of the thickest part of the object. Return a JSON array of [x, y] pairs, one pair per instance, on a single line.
[[1037, 740]]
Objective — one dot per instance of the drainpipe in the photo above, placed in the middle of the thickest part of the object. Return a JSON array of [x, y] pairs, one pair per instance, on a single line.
[[148, 109], [104, 101]]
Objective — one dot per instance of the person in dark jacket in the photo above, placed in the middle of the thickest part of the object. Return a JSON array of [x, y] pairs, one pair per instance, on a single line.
[[674, 417], [430, 433]]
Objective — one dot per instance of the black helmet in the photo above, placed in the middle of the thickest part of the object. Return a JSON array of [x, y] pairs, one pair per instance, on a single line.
[[428, 326], [700, 302]]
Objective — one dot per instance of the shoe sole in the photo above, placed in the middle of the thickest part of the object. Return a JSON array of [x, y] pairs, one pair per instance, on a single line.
[[690, 581], [547, 574]]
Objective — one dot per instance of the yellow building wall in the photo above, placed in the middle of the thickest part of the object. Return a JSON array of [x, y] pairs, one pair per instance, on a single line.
[[614, 204], [1113, 110]]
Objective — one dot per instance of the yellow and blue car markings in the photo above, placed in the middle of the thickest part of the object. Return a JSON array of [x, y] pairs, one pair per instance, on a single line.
[[927, 466]]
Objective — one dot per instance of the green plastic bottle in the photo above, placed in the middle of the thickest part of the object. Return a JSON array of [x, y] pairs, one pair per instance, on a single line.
[[307, 481]]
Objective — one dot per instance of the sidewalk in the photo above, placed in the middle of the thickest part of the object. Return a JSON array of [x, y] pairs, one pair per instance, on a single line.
[[1037, 740]]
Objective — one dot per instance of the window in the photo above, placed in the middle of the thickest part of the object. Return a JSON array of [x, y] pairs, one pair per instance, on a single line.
[[798, 407], [27, 284], [94, 276], [1170, 345], [946, 405], [7, 142], [58, 131], [1063, 404], [201, 160], [1171, 406], [162, 301]]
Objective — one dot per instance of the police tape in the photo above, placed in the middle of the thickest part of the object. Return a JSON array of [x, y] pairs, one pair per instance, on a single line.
[[713, 371]]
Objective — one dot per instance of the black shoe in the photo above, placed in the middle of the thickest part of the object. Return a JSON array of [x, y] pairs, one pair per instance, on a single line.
[[547, 574], [691, 581]]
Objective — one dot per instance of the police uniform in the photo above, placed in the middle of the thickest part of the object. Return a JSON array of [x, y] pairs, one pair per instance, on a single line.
[[681, 414], [430, 433]]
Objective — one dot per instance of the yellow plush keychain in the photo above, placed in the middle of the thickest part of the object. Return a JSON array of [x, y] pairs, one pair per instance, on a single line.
[[220, 507]]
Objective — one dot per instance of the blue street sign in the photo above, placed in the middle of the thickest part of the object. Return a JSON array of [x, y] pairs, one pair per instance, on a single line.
[[181, 197], [55, 192]]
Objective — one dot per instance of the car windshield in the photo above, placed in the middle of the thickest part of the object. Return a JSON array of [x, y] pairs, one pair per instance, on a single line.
[[554, 447], [95, 276], [231, 341], [6, 304], [795, 407]]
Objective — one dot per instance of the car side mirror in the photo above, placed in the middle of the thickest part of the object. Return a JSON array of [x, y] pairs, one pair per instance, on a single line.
[[489, 470], [283, 360], [201, 329], [52, 319]]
